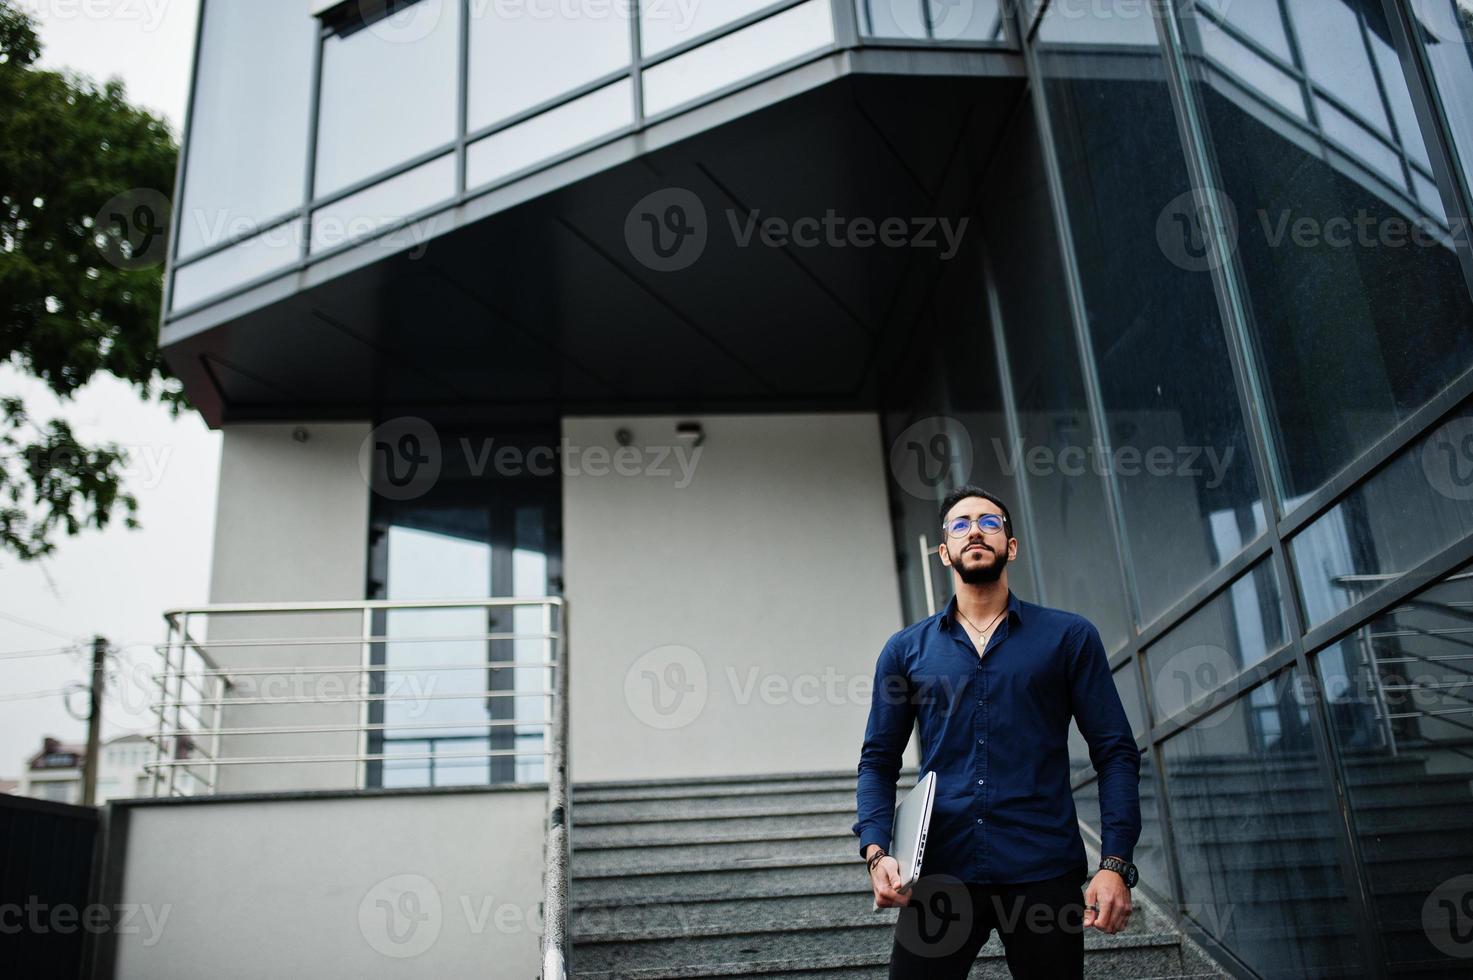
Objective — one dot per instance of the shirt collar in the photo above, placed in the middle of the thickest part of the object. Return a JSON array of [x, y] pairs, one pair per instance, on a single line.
[[947, 616]]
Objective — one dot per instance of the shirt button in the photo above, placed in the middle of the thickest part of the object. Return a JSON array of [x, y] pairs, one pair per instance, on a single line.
[[979, 819], [981, 781], [981, 741]]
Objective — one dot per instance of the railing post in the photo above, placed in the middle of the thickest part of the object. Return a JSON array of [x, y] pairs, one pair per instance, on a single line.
[[558, 852], [178, 702], [162, 706], [366, 678]]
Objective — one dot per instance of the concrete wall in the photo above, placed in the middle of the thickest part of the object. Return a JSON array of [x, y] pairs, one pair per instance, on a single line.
[[726, 608], [291, 526], [416, 885]]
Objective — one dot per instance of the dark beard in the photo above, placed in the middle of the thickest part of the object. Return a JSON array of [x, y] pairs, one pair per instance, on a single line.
[[985, 575]]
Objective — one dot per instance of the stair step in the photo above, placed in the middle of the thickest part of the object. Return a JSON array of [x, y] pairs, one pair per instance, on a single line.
[[699, 855], [614, 921], [631, 955]]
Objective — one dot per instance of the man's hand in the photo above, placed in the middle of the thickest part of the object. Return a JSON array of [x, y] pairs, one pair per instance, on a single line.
[[1107, 890], [885, 880]]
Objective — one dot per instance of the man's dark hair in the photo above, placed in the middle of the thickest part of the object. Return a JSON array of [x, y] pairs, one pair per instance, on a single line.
[[971, 490]]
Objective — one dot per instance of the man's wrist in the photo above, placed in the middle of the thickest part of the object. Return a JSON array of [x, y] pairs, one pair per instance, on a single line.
[[1121, 867]]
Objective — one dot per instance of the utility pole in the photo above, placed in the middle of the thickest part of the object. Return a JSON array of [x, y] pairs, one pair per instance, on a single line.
[[94, 722]]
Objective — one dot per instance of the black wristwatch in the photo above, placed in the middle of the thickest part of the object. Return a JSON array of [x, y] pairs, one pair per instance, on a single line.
[[1125, 869]]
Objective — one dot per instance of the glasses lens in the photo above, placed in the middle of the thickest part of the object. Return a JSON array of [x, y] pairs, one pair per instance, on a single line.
[[990, 522], [958, 527]]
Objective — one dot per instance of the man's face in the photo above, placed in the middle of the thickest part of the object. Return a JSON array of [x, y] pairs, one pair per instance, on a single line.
[[977, 556]]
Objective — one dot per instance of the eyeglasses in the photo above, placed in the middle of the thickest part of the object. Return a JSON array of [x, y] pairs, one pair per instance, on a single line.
[[987, 524]]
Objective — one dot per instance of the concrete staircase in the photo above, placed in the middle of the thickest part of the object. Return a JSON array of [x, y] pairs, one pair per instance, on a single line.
[[760, 877]]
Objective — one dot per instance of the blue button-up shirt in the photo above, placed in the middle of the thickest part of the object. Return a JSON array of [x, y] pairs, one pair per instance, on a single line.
[[995, 729]]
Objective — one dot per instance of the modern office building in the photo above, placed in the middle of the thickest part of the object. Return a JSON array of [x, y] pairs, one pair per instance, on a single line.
[[648, 335]]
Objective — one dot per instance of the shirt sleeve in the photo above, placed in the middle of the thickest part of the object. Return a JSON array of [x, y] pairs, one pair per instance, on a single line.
[[1102, 721], [891, 718]]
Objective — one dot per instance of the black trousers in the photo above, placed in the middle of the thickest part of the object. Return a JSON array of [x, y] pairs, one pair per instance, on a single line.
[[939, 934]]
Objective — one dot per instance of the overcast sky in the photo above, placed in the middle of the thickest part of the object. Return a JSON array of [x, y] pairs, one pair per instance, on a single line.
[[115, 582]]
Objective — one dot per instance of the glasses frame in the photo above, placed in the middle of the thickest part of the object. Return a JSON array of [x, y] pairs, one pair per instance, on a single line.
[[1002, 525]]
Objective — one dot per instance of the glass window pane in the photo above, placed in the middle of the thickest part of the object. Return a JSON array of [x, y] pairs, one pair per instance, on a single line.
[[1178, 449], [1067, 494], [1224, 52], [1446, 30], [551, 133], [523, 55], [1335, 55], [388, 92], [893, 18], [1235, 630], [965, 20], [781, 37], [1260, 20], [1335, 253], [1402, 112], [247, 143], [270, 251], [1411, 509], [942, 20], [1097, 22], [361, 214], [1399, 694], [664, 25], [1254, 835]]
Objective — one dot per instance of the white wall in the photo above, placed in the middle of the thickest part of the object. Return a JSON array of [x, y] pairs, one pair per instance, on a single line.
[[432, 885], [725, 617], [291, 526]]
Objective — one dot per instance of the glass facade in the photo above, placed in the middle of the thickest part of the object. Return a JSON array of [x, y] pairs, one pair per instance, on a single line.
[[1228, 278], [294, 116]]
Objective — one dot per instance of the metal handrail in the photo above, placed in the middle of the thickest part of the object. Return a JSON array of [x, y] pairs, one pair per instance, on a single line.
[[191, 700], [557, 851]]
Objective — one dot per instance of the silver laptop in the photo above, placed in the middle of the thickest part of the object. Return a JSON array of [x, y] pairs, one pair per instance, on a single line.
[[912, 819]]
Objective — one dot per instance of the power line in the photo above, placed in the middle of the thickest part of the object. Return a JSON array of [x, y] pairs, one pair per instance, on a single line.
[[37, 626], [32, 695], [34, 654]]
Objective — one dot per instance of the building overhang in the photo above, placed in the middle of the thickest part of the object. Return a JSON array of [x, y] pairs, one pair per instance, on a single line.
[[531, 297]]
